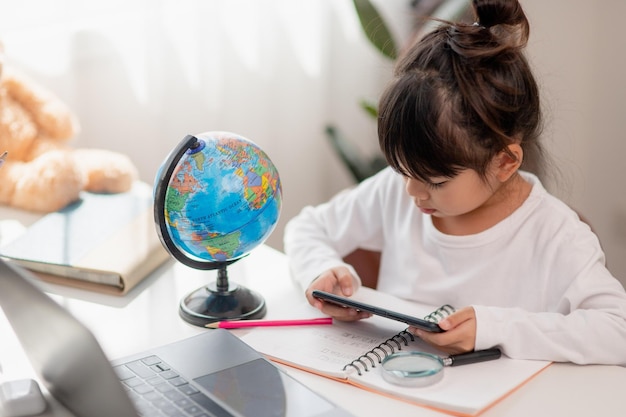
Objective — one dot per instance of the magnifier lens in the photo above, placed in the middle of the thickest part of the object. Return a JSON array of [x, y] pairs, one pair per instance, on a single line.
[[416, 369]]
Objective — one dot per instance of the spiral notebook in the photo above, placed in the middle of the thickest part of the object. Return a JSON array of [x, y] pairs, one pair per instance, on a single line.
[[351, 353]]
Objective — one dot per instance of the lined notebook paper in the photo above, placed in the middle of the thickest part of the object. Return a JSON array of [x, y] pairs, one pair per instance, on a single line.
[[350, 353]]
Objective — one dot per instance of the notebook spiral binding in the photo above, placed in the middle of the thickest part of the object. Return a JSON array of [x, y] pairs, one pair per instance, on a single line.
[[443, 311], [368, 360]]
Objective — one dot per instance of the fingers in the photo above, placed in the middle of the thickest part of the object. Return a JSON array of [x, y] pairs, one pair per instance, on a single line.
[[459, 335], [343, 313], [345, 281], [325, 282], [337, 281], [457, 318]]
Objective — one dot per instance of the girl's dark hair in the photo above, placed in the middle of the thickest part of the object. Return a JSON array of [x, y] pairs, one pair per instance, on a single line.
[[461, 95]]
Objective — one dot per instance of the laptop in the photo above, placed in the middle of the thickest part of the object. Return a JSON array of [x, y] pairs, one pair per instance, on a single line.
[[212, 374]]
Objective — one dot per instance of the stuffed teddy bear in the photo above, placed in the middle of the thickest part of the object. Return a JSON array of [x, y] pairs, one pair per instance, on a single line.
[[41, 172]]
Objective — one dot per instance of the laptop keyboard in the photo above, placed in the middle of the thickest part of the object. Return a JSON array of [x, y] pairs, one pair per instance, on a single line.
[[158, 391]]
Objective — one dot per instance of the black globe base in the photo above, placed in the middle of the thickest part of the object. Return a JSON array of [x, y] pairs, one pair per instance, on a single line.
[[221, 300], [208, 305]]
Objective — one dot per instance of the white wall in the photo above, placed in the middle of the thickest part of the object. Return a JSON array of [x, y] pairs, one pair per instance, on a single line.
[[128, 82], [141, 74], [579, 53]]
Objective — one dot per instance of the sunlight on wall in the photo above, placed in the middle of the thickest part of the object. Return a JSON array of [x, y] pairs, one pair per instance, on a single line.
[[141, 74]]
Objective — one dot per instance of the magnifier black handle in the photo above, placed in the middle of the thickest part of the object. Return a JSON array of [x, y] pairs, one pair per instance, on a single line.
[[472, 357]]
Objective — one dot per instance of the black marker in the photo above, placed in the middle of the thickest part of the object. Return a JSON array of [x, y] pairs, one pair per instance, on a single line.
[[472, 357]]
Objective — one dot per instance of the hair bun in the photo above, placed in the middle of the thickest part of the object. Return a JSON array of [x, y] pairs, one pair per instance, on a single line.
[[499, 12], [490, 13]]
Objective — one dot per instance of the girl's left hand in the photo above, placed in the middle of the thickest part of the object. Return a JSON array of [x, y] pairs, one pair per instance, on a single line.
[[459, 335]]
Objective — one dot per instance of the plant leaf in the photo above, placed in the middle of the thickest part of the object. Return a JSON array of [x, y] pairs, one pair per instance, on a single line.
[[370, 107], [375, 28]]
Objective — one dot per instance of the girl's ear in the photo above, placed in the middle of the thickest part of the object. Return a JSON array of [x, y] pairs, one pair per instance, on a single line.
[[507, 162]]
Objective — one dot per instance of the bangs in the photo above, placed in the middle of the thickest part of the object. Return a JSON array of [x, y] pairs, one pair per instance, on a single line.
[[421, 132], [461, 94], [416, 129]]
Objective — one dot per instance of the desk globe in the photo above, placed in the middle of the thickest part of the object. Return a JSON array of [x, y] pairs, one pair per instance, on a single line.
[[217, 197]]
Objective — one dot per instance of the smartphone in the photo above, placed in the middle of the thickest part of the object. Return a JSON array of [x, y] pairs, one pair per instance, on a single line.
[[423, 324]]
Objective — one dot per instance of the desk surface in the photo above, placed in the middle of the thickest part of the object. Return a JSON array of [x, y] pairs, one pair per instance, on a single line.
[[148, 316]]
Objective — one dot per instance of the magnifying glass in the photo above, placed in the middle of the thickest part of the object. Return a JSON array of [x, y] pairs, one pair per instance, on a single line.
[[420, 369]]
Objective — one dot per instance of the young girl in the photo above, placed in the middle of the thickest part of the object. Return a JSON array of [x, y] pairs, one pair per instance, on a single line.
[[456, 220]]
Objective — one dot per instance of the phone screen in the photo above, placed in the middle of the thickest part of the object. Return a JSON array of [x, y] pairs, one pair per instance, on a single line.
[[423, 324]]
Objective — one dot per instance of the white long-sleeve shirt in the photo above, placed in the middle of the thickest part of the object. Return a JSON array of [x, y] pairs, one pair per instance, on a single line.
[[537, 280]]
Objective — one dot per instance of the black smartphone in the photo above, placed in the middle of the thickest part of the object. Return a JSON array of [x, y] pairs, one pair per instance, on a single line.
[[423, 324]]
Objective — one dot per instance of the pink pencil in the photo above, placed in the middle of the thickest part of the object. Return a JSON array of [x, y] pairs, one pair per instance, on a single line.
[[237, 324]]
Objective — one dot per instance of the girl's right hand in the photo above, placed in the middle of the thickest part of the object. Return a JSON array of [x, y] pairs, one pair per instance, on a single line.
[[338, 281]]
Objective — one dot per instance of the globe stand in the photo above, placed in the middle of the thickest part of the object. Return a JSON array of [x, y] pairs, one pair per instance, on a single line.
[[221, 300]]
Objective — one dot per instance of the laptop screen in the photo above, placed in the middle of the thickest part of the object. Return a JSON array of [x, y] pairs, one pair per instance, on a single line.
[[62, 351], [71, 364]]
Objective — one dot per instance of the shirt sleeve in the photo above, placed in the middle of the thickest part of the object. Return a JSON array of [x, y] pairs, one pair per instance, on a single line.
[[319, 237], [587, 324]]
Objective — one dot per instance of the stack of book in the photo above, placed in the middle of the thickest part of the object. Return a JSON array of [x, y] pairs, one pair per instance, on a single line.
[[103, 242]]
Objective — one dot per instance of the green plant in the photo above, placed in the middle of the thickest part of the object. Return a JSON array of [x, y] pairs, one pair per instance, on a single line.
[[379, 35], [377, 32]]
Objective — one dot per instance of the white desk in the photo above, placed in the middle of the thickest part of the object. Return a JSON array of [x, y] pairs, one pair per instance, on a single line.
[[148, 316]]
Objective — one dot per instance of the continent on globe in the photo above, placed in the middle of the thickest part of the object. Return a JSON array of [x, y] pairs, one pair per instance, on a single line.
[[223, 198]]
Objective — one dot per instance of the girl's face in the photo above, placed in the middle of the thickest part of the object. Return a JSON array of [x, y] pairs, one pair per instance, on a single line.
[[468, 203], [451, 197]]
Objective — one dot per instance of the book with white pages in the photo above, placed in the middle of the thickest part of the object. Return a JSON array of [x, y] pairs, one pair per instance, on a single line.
[[351, 352], [103, 242]]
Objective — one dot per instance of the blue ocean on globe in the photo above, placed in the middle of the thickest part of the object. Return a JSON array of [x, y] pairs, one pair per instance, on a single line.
[[223, 199]]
